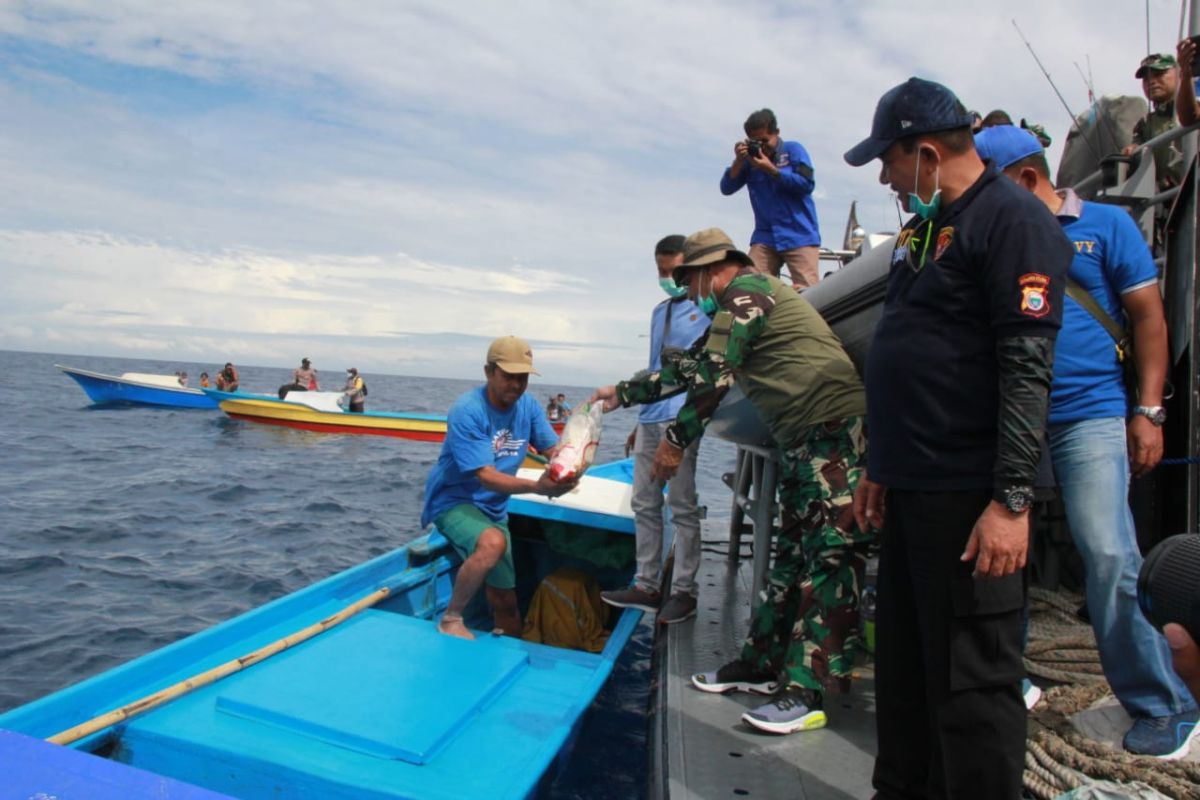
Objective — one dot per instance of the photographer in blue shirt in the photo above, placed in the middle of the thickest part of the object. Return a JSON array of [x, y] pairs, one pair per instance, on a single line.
[[779, 175]]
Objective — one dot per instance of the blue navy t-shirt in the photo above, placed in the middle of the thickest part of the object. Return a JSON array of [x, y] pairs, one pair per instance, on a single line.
[[991, 265], [1111, 259], [480, 435]]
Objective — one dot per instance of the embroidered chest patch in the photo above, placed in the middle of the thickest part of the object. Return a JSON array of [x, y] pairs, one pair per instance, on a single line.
[[1035, 298]]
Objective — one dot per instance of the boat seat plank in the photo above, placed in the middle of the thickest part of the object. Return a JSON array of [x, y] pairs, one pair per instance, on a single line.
[[333, 688], [498, 750]]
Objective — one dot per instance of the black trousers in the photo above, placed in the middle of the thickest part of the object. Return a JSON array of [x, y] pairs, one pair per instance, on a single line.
[[948, 656]]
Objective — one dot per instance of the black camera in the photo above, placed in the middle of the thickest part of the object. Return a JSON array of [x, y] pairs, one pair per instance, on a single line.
[[754, 147], [1168, 584]]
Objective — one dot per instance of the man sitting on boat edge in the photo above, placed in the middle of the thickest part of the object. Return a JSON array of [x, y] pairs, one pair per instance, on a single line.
[[488, 431]]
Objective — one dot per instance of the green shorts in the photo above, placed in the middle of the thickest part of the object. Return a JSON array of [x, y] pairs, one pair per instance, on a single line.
[[462, 525]]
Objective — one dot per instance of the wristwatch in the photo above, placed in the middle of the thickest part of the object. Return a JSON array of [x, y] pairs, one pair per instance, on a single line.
[[1156, 414], [1016, 499]]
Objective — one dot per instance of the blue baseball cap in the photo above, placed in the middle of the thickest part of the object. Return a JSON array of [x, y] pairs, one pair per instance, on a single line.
[[914, 107], [1005, 145]]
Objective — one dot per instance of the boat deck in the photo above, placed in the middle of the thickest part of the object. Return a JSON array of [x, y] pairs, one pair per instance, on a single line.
[[701, 748]]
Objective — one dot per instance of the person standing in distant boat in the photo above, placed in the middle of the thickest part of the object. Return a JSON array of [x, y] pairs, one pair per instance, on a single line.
[[356, 391], [564, 408], [227, 378], [553, 412], [488, 432], [305, 378]]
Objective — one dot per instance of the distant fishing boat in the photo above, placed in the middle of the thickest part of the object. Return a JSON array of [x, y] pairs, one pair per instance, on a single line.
[[319, 411], [376, 705], [138, 388]]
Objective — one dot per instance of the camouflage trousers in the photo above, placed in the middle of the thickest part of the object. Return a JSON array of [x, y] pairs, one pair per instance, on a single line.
[[806, 625]]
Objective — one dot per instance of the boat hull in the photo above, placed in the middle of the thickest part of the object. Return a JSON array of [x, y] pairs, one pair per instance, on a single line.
[[267, 410], [113, 390]]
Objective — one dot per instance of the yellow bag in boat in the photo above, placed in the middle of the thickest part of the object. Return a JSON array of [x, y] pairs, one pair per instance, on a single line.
[[567, 612]]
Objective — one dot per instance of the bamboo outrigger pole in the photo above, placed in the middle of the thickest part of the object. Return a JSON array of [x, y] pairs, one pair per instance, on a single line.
[[216, 673]]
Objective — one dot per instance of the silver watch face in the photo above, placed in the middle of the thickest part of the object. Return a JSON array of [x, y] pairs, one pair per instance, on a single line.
[[1018, 499]]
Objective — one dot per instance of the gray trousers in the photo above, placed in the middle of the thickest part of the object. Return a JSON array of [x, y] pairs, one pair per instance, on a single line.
[[648, 514]]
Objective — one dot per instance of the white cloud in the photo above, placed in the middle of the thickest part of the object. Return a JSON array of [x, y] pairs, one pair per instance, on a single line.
[[269, 178]]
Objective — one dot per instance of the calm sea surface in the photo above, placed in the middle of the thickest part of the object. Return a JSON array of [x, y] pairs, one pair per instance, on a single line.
[[124, 529]]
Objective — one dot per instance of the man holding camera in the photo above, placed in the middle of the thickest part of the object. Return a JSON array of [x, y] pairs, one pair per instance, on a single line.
[[779, 175]]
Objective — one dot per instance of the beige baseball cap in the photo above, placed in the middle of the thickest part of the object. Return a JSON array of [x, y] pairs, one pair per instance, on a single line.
[[512, 354]]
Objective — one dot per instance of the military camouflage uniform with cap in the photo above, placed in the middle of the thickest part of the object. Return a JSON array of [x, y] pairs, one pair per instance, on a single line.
[[1168, 160], [778, 349]]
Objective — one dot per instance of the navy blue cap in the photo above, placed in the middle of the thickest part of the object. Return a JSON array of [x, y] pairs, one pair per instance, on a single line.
[[914, 107], [1005, 145]]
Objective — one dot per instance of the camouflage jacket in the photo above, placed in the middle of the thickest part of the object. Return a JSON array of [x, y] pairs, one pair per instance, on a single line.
[[776, 347], [1168, 159]]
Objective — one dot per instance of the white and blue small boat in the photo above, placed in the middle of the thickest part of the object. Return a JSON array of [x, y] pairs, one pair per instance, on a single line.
[[379, 706], [138, 388]]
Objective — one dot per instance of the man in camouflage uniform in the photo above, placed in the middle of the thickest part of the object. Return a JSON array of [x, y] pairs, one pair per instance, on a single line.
[[781, 353], [1159, 74]]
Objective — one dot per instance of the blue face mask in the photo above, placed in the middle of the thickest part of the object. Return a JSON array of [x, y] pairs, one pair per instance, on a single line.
[[920, 207], [707, 302], [671, 288]]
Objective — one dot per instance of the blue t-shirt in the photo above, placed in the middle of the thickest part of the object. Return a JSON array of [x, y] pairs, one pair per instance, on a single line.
[[688, 324], [479, 435], [1110, 259], [785, 216]]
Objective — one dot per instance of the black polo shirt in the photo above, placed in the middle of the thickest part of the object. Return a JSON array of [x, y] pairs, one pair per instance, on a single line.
[[995, 265]]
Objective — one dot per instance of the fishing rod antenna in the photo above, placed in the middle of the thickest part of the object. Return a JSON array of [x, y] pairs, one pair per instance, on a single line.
[[1061, 99]]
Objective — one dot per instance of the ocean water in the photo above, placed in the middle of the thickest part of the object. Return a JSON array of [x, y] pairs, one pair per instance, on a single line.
[[123, 529]]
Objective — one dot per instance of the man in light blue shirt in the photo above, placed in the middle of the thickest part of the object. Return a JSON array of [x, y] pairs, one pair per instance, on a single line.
[[674, 325], [488, 431]]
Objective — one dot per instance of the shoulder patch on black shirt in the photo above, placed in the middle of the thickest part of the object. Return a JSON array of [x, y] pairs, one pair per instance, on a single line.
[[945, 237], [1035, 301]]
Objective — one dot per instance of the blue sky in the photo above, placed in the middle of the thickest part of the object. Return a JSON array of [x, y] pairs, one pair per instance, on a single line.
[[394, 184]]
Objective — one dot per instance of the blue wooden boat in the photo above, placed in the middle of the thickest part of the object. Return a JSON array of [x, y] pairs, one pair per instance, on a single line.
[[138, 388], [381, 706]]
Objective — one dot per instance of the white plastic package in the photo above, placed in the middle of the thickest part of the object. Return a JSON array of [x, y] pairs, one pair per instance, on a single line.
[[578, 443]]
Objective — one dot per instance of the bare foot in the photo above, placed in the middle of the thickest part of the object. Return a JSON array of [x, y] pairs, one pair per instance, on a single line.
[[452, 625]]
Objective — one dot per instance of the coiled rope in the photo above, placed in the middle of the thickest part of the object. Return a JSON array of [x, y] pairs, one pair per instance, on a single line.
[[1058, 758]]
